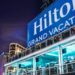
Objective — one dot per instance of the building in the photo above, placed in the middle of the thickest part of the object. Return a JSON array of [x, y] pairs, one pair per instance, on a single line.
[[45, 54]]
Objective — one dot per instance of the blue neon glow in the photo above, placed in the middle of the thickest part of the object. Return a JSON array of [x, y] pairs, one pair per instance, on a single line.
[[27, 63], [54, 53], [70, 51]]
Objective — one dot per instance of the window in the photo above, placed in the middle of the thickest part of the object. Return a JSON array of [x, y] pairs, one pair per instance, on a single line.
[[73, 30], [43, 44], [33, 48], [20, 55], [57, 38], [12, 53], [12, 47], [38, 46], [49, 42], [65, 34], [27, 52], [7, 57]]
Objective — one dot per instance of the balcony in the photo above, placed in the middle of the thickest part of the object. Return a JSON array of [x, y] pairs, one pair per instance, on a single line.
[[68, 68], [64, 35]]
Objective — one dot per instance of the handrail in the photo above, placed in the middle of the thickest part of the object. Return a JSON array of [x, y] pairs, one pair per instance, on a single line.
[[28, 51]]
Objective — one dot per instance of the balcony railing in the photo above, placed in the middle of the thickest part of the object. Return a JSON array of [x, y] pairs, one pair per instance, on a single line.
[[67, 68], [64, 35]]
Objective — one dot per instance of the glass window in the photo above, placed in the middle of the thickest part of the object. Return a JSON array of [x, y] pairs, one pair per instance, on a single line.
[[43, 44], [12, 47], [27, 52], [65, 34], [57, 38], [33, 49], [38, 47], [12, 53], [49, 42], [48, 63], [73, 30], [69, 57]]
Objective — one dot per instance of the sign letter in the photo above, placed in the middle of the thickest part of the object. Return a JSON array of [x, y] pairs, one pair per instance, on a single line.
[[73, 2], [68, 9], [37, 26]]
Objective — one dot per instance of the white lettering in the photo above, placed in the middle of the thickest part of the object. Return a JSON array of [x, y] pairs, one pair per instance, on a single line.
[[45, 36], [60, 28], [55, 15], [45, 21], [50, 18], [67, 24], [38, 26], [71, 19], [73, 2], [50, 33], [40, 37], [55, 30], [68, 9]]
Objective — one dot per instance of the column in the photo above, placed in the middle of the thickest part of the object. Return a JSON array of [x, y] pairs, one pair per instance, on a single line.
[[6, 71], [17, 70], [60, 60], [34, 65]]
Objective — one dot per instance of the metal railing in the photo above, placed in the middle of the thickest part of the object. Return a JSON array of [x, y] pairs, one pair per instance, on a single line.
[[46, 43], [67, 68]]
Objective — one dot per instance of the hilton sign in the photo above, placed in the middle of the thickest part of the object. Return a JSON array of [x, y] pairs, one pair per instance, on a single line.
[[55, 19]]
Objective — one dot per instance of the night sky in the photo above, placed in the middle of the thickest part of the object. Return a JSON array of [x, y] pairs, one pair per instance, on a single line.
[[14, 16]]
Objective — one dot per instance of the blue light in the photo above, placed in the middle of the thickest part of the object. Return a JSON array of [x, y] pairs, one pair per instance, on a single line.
[[70, 49], [27, 63], [53, 53]]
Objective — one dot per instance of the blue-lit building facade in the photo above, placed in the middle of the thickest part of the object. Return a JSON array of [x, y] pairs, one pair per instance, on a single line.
[[50, 43]]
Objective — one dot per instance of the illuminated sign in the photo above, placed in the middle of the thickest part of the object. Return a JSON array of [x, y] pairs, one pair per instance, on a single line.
[[56, 18]]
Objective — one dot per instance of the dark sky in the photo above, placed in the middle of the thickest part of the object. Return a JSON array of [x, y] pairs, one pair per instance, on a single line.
[[14, 16]]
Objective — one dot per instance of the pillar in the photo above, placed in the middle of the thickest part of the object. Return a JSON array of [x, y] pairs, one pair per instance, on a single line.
[[5, 73], [60, 60], [17, 70], [34, 65]]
